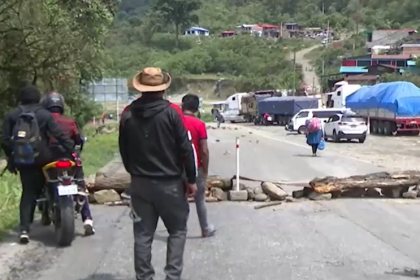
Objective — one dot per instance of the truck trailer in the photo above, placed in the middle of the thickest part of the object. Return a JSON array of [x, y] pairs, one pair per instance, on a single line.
[[249, 103], [281, 109], [390, 108]]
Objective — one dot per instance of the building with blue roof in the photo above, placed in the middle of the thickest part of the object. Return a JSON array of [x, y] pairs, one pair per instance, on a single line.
[[197, 31]]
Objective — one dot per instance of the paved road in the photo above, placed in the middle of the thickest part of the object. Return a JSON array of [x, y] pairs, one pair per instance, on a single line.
[[396, 153], [342, 239]]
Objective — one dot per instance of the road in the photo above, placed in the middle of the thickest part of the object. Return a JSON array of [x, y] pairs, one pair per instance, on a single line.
[[346, 239], [309, 75]]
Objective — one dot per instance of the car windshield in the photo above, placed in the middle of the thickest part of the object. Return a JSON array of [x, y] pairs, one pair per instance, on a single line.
[[352, 119]]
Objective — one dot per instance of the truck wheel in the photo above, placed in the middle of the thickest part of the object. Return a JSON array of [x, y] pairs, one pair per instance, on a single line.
[[394, 131], [374, 127], [362, 140], [381, 128], [65, 224], [301, 130], [387, 128], [415, 133], [335, 137], [232, 121]]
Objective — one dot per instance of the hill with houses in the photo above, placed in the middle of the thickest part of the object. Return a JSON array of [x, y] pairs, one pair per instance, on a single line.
[[211, 38]]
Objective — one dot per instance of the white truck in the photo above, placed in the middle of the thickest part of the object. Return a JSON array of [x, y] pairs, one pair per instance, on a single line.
[[233, 108], [337, 98]]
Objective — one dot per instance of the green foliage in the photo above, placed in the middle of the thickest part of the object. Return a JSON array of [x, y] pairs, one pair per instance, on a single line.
[[53, 44], [178, 12], [393, 77]]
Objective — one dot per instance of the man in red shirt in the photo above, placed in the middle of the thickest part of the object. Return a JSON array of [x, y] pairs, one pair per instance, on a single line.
[[54, 102], [198, 133]]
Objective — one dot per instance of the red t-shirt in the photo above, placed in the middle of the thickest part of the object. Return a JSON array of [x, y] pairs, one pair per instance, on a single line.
[[198, 132]]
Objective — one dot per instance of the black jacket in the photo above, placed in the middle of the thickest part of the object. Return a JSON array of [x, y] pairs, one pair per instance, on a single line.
[[154, 142], [47, 126]]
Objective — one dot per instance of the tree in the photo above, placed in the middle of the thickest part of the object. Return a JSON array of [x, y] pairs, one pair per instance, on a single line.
[[53, 44], [180, 13]]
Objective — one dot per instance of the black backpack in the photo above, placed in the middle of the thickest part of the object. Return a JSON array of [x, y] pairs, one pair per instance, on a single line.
[[26, 138]]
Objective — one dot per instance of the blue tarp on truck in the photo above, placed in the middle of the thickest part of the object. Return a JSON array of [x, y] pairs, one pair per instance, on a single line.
[[401, 98], [288, 105]]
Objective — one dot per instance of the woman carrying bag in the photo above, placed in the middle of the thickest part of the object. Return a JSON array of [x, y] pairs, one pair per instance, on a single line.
[[314, 135]]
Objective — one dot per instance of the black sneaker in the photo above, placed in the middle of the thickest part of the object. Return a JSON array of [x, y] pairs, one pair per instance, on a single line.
[[24, 237]]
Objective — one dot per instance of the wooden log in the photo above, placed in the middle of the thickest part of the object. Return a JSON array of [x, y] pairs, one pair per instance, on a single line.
[[374, 180], [118, 181], [268, 204]]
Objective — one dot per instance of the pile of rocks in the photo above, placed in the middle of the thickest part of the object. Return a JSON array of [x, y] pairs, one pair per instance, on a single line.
[[223, 189], [382, 184]]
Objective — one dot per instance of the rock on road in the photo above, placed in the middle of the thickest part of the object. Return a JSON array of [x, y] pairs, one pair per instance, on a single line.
[[344, 239]]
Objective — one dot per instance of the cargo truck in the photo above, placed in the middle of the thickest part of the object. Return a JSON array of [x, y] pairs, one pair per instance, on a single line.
[[249, 103], [390, 108], [281, 109]]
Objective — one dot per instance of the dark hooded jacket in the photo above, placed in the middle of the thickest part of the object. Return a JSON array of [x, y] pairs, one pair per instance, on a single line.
[[153, 140], [29, 98]]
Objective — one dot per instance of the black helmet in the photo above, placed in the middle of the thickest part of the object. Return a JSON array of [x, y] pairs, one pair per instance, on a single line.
[[53, 99]]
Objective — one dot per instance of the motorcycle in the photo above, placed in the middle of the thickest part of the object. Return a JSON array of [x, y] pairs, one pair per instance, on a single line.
[[62, 199]]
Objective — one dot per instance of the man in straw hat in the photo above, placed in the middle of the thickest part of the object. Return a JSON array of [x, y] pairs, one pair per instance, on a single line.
[[156, 151]]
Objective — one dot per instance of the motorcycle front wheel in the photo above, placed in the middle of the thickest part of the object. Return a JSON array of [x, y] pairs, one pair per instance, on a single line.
[[64, 221]]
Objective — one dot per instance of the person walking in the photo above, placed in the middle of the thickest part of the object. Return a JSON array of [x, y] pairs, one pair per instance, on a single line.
[[314, 133], [198, 132], [156, 152]]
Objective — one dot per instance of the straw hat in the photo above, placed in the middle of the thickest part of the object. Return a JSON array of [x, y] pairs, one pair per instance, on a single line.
[[151, 79]]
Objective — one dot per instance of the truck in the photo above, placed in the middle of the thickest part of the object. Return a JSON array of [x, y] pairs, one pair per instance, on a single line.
[[233, 107], [249, 103], [281, 109], [337, 98], [390, 108]]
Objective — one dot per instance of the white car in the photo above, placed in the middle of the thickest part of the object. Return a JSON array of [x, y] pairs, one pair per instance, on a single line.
[[346, 127]]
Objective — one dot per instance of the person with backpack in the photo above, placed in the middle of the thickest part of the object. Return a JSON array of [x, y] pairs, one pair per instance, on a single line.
[[24, 140], [314, 133], [156, 151], [54, 102]]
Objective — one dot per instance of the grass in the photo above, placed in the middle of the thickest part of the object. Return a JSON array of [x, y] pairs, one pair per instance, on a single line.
[[98, 151]]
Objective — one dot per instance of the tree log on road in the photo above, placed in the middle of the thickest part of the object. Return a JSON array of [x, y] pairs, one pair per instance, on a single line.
[[374, 180]]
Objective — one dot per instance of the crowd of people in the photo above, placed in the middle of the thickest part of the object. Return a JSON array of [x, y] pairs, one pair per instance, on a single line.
[[163, 147]]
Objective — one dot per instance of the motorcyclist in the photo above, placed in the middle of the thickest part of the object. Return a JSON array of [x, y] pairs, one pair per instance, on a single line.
[[54, 102], [33, 134]]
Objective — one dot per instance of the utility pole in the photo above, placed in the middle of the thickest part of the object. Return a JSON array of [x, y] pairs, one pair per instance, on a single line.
[[294, 71]]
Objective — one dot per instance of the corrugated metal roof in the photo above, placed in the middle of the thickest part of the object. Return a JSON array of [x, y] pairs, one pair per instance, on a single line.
[[198, 28], [361, 77], [381, 65], [394, 56], [352, 69]]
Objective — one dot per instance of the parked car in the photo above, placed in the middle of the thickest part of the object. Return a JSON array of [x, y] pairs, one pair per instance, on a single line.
[[342, 126]]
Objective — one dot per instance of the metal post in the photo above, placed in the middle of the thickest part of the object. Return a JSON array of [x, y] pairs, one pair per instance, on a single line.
[[237, 164], [294, 71], [118, 101]]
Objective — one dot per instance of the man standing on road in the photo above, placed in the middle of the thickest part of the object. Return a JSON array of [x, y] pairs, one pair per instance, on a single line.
[[155, 149], [198, 131]]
